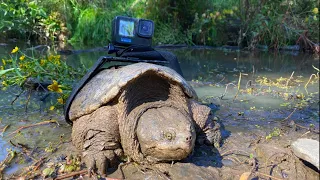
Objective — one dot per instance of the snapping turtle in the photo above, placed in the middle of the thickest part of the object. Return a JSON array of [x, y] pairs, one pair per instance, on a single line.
[[146, 111]]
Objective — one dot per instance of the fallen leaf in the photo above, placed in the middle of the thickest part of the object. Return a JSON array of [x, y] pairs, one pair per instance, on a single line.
[[245, 176]]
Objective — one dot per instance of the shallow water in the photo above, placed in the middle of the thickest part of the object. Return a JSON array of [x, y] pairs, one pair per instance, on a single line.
[[208, 71]]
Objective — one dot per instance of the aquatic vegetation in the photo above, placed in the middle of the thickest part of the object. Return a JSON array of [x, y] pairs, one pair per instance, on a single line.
[[316, 76], [35, 74], [275, 133], [48, 172], [49, 148], [55, 87], [72, 164]]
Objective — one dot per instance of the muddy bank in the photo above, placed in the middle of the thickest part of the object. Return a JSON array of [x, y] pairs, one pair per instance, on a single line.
[[241, 153]]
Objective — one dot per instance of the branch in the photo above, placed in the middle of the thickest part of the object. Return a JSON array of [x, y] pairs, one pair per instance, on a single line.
[[32, 125]]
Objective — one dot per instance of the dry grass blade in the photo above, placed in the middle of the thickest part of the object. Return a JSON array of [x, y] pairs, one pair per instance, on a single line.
[[289, 80], [4, 130], [312, 75]]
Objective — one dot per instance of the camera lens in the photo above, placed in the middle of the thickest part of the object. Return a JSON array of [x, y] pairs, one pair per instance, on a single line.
[[145, 28]]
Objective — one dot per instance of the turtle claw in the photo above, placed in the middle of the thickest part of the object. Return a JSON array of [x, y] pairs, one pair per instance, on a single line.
[[90, 163], [99, 161]]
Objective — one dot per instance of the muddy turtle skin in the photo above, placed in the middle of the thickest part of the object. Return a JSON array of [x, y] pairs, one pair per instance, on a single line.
[[147, 112]]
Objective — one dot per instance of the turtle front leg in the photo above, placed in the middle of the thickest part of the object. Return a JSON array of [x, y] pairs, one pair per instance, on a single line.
[[97, 135], [208, 130]]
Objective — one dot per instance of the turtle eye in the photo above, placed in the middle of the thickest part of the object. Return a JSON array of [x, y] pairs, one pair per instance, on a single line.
[[169, 136]]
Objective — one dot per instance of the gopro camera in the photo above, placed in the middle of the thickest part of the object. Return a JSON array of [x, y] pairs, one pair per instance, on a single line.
[[127, 31]]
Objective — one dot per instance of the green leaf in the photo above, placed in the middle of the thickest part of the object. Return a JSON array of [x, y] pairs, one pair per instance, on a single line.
[[47, 172], [251, 156], [2, 72]]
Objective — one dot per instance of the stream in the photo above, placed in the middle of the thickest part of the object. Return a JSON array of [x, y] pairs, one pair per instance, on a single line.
[[271, 88]]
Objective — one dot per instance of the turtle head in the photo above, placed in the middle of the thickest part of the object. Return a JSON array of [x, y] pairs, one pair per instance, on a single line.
[[165, 134]]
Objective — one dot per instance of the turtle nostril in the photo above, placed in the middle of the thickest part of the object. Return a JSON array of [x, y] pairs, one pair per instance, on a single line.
[[189, 138]]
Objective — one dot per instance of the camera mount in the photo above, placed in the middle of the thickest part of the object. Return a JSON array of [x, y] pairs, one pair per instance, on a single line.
[[131, 54]]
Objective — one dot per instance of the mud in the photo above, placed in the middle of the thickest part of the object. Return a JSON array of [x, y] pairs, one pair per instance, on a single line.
[[241, 152]]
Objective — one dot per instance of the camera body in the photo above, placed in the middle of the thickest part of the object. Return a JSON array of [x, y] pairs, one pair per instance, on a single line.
[[127, 31]]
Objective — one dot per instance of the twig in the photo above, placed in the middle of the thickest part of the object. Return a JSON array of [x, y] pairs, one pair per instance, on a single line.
[[24, 147], [17, 96], [34, 167], [4, 129], [225, 91], [312, 75], [239, 83], [221, 80], [248, 83], [39, 162], [72, 174], [253, 71], [305, 133], [6, 161], [289, 115], [235, 151], [235, 97], [269, 176], [303, 127], [32, 125], [289, 80], [28, 99]]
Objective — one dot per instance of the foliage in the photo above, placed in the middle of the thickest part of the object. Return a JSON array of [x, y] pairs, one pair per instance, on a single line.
[[249, 23], [165, 34], [28, 20], [19, 69], [207, 27], [94, 20], [191, 22], [93, 24], [279, 23]]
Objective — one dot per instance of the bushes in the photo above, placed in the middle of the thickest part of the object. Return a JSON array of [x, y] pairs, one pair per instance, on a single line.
[[94, 26], [203, 22], [94, 20], [279, 23], [27, 20]]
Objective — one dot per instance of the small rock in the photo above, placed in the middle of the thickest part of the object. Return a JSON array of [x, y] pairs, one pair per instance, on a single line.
[[308, 150]]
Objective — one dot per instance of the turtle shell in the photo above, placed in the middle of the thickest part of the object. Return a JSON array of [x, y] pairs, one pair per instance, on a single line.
[[107, 84]]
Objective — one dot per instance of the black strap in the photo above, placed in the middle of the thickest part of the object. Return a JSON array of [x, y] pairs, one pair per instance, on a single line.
[[132, 54], [148, 53]]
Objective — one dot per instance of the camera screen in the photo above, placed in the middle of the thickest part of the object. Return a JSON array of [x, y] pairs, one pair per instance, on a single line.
[[126, 28]]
